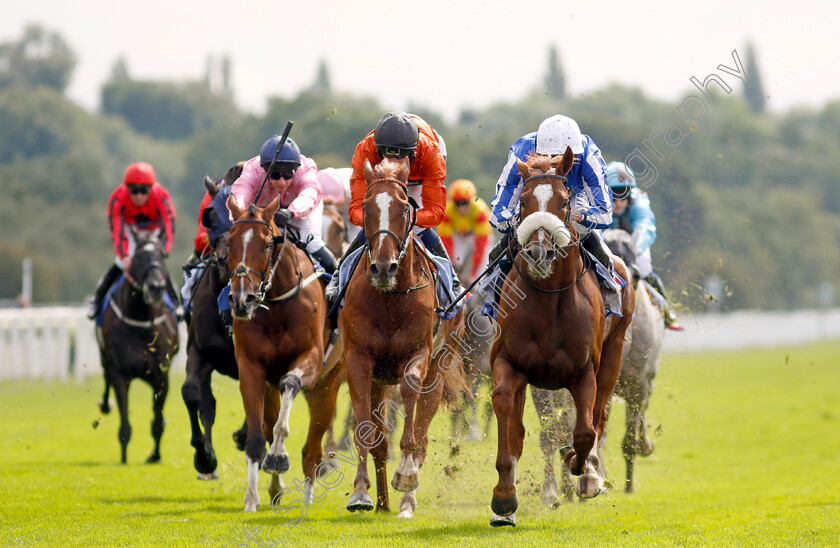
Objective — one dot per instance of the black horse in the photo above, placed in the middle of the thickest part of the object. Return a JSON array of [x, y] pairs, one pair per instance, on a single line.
[[209, 344], [138, 335]]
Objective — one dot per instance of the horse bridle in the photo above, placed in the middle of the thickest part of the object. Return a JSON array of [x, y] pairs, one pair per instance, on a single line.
[[267, 277], [567, 206], [411, 219]]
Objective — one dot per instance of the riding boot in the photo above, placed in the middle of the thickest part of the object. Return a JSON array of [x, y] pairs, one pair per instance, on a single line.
[[594, 243], [176, 298], [668, 313], [102, 287], [331, 291], [325, 257], [440, 251]]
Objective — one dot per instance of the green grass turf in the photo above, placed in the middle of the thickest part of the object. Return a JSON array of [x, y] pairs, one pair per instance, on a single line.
[[748, 453]]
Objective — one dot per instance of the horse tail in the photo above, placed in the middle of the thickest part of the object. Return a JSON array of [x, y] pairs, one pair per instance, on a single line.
[[454, 385]]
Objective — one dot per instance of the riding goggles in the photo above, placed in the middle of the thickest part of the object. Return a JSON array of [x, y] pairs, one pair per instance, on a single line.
[[139, 189], [459, 203], [394, 152], [281, 173]]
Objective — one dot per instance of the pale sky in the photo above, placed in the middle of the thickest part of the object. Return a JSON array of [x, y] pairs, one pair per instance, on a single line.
[[444, 53]]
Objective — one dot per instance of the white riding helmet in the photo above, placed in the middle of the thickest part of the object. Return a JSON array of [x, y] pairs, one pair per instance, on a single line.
[[558, 132]]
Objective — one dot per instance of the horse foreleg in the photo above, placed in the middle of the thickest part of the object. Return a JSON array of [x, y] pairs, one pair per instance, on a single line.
[[359, 379], [508, 383], [321, 412], [543, 402], [252, 389], [161, 388], [121, 392], [382, 423], [192, 394], [277, 460], [584, 436], [406, 475]]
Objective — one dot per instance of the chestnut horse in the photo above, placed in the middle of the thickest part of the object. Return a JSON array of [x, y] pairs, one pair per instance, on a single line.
[[389, 325], [559, 338], [278, 335], [138, 336]]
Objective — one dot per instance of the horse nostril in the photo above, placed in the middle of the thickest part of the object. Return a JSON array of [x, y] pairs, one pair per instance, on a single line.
[[250, 299], [392, 268], [374, 270]]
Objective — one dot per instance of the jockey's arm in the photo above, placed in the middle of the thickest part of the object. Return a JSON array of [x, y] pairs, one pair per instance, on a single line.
[[644, 222], [168, 216], [311, 194], [595, 200], [509, 186]]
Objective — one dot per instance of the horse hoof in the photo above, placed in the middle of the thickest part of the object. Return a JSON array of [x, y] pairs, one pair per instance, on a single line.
[[105, 406], [239, 437], [214, 475], [205, 465], [503, 521], [645, 447], [276, 464], [589, 488], [154, 458], [504, 506], [360, 502], [565, 450], [404, 484]]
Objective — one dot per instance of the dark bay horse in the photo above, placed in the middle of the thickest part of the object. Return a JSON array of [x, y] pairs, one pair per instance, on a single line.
[[389, 325], [558, 337], [209, 345], [279, 313], [138, 336]]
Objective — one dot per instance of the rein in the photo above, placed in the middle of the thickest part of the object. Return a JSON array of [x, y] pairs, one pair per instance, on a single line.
[[267, 277], [145, 324]]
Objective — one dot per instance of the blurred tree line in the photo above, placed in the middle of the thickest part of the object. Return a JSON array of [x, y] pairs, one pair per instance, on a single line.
[[747, 195]]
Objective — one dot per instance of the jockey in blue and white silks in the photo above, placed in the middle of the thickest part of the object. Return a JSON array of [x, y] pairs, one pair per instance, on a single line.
[[632, 213], [591, 197], [586, 180]]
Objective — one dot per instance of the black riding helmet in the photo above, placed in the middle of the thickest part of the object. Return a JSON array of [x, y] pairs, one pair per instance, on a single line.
[[396, 134]]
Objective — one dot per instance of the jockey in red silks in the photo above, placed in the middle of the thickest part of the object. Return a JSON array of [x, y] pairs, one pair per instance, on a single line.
[[294, 178], [144, 204]]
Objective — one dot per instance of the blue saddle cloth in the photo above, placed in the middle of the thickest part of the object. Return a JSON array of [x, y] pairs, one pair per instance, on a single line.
[[443, 277], [108, 296]]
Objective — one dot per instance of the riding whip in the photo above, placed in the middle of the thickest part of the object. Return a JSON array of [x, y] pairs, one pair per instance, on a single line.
[[282, 142]]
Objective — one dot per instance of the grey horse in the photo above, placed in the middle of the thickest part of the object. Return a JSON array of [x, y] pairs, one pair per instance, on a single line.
[[639, 364]]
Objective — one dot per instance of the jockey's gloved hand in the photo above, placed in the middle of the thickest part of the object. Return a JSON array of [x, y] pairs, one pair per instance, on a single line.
[[282, 217]]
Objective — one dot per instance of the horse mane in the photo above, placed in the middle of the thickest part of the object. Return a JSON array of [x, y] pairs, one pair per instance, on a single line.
[[542, 162], [388, 168], [252, 210]]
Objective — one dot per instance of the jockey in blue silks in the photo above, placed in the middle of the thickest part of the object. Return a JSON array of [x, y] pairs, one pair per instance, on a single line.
[[632, 213], [591, 198]]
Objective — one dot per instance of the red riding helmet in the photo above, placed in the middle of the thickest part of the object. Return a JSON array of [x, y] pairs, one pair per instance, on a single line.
[[140, 173]]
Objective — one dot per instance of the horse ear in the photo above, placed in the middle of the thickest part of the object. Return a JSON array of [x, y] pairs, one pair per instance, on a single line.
[[209, 217], [523, 168], [567, 161], [211, 185], [272, 208], [233, 206], [405, 168], [368, 171]]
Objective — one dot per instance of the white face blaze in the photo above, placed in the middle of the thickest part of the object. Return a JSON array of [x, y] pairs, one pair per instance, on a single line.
[[383, 202], [246, 239], [543, 193]]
